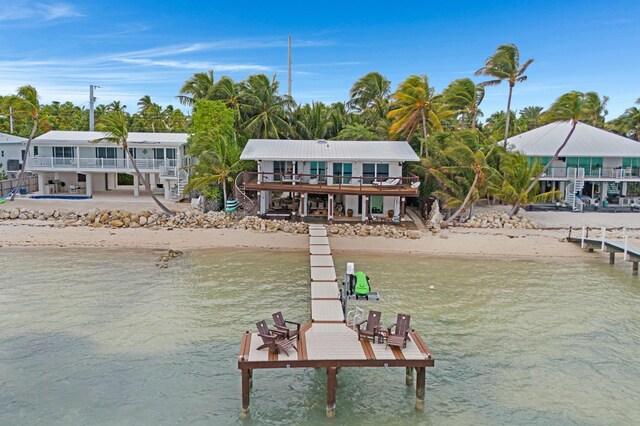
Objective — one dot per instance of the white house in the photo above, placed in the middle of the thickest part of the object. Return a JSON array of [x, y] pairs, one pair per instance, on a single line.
[[594, 165], [72, 161], [331, 179], [11, 152]]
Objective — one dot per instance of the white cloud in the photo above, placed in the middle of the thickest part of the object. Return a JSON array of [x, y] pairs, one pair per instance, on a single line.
[[193, 65], [23, 10]]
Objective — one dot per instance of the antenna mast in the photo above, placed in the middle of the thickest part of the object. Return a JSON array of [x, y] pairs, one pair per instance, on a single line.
[[92, 100], [289, 91]]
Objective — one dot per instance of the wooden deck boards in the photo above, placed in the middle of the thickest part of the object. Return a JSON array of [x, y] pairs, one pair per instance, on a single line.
[[324, 290], [326, 310], [320, 250], [321, 261], [323, 274]]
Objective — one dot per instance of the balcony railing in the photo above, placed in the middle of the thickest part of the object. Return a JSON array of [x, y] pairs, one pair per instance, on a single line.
[[617, 173], [165, 167], [333, 181]]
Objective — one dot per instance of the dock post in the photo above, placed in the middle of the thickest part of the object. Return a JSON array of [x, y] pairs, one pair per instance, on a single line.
[[584, 230], [603, 237], [246, 386], [634, 268], [408, 378], [331, 391], [612, 258], [420, 385]]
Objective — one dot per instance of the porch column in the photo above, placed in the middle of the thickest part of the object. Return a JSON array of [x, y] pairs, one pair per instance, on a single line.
[[152, 181], [305, 207], [330, 207], [167, 190], [397, 206], [623, 190], [301, 205], [263, 202], [403, 206], [136, 185], [89, 184], [41, 183], [364, 208], [553, 188]]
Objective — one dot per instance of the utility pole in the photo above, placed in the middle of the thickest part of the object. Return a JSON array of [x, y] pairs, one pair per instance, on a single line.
[[92, 100], [11, 120], [289, 91]]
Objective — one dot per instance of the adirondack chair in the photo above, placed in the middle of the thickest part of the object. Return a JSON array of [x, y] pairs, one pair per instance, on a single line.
[[273, 339], [400, 335], [281, 326], [372, 328]]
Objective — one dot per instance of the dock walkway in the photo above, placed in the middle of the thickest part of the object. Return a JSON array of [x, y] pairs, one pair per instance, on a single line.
[[612, 246], [327, 341]]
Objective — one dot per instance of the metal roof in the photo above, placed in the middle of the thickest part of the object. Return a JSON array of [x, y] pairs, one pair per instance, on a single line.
[[321, 150], [7, 138], [135, 138], [586, 141]]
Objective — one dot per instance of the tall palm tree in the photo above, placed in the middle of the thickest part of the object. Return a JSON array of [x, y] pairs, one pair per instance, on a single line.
[[312, 121], [628, 123], [116, 106], [504, 65], [572, 107], [465, 97], [370, 90], [151, 113], [25, 103], [356, 132], [200, 85], [220, 163], [415, 105], [115, 126], [266, 113], [597, 109]]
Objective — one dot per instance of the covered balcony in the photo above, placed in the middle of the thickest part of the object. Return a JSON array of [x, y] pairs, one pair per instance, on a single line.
[[166, 167]]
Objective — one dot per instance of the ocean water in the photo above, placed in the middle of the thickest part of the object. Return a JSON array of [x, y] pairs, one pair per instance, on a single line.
[[107, 337]]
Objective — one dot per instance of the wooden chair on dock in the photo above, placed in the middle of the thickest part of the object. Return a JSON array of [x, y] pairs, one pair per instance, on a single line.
[[281, 326], [273, 339], [400, 336], [372, 328]]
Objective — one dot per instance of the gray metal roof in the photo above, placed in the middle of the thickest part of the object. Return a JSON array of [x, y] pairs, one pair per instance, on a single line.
[[314, 150], [63, 137], [586, 141], [7, 138]]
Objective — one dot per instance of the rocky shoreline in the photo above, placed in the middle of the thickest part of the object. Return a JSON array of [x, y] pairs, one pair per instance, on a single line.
[[193, 219]]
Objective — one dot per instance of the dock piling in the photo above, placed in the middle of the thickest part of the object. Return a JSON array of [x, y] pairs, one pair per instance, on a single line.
[[408, 378], [420, 387], [612, 258], [634, 268], [331, 391], [246, 389]]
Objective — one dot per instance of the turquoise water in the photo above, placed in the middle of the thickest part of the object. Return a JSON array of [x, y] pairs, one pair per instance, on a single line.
[[107, 337]]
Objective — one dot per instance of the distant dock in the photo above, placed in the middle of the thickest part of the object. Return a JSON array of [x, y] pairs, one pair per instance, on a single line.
[[630, 252], [327, 341]]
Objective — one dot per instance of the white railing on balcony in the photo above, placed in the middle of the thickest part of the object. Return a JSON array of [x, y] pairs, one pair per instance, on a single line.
[[165, 167], [617, 173]]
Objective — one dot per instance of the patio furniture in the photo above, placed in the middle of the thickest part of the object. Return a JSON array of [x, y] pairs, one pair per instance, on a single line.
[[281, 325], [372, 328], [274, 340], [388, 182], [400, 335]]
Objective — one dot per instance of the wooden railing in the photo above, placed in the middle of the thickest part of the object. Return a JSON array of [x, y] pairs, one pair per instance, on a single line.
[[332, 181], [30, 183]]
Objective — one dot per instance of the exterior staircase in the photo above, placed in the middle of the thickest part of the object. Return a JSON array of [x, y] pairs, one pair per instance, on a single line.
[[573, 188], [240, 193]]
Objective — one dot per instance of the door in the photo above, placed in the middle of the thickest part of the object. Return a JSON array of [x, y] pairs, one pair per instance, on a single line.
[[376, 204]]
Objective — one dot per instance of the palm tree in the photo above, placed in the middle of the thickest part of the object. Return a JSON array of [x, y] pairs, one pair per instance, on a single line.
[[25, 103], [116, 106], [572, 107], [628, 123], [504, 64], [370, 90], [465, 97], [416, 106], [219, 163], [356, 132], [312, 121], [115, 126], [497, 123], [200, 85], [597, 109], [530, 117], [151, 113], [265, 112]]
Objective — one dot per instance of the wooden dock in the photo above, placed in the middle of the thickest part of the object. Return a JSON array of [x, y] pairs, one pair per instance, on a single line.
[[327, 341], [630, 252]]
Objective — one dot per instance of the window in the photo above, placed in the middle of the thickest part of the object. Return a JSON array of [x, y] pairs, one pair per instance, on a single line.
[[368, 173], [103, 152], [2, 154], [133, 151], [382, 170], [158, 153], [377, 204], [171, 153], [344, 170], [282, 170], [35, 151], [64, 152], [319, 170]]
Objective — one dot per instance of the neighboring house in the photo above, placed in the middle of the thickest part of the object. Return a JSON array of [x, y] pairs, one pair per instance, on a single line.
[[595, 165], [73, 159], [11, 152], [330, 179]]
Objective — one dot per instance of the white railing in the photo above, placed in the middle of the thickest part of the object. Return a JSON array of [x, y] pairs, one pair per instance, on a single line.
[[166, 167]]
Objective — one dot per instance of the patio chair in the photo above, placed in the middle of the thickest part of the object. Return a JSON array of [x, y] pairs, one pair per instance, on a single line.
[[388, 182], [372, 328], [272, 339], [281, 325], [400, 335]]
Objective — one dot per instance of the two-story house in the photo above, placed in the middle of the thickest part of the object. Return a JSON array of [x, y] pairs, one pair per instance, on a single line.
[[594, 166], [330, 179], [11, 152], [72, 161]]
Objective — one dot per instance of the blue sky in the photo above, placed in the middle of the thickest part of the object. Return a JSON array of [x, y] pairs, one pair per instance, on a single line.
[[135, 48]]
